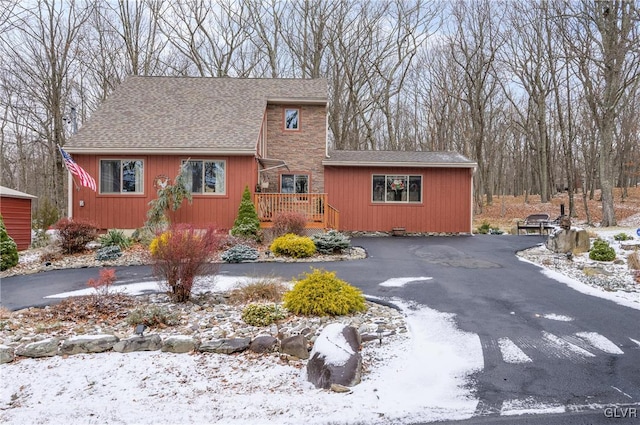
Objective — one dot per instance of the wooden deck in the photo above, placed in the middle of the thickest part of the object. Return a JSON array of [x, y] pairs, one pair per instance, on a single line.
[[320, 215]]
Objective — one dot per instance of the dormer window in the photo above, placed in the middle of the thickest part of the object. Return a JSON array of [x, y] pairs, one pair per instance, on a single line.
[[291, 119]]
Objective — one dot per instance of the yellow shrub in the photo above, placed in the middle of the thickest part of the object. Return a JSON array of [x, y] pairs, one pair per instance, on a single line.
[[157, 242], [293, 245], [321, 293]]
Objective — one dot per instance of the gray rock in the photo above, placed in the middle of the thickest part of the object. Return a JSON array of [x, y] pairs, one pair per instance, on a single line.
[[225, 345], [6, 354], [335, 358], [139, 343], [45, 348], [263, 344], [572, 240], [88, 344], [337, 388], [295, 346], [179, 344]]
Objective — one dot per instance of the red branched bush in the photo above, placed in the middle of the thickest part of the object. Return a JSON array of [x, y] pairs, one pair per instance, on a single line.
[[182, 253], [103, 284], [289, 222], [75, 234]]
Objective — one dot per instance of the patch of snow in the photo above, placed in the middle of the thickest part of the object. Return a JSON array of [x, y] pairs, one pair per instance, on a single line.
[[558, 317], [511, 353], [636, 341], [600, 342], [565, 347], [529, 406], [401, 281], [84, 337]]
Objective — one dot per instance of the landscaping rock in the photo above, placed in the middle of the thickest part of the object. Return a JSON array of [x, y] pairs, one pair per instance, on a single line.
[[139, 343], [225, 346], [179, 344], [295, 346], [88, 344], [335, 358], [6, 354], [573, 240], [45, 348], [263, 344]]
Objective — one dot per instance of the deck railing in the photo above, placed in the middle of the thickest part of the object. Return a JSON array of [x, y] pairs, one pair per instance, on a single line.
[[312, 205]]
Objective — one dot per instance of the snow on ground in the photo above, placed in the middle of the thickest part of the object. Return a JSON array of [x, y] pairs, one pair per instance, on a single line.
[[419, 377]]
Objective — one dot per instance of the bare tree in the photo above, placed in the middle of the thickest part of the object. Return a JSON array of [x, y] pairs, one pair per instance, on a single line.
[[604, 37]]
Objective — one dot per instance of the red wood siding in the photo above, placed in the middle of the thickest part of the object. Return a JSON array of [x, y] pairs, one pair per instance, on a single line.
[[16, 213], [130, 211], [445, 207]]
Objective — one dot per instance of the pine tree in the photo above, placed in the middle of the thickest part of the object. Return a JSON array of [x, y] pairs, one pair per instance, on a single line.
[[247, 223], [8, 249]]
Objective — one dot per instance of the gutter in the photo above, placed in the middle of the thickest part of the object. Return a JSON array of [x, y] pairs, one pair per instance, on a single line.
[[401, 164]]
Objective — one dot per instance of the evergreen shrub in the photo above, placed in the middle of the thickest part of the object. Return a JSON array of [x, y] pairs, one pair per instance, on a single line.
[[601, 251], [116, 237], [247, 223], [262, 314], [292, 245], [8, 249], [331, 242], [321, 293], [107, 253], [622, 237], [240, 253]]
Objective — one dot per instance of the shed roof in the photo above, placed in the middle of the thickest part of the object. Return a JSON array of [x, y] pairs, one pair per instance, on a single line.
[[198, 115], [12, 193], [397, 158]]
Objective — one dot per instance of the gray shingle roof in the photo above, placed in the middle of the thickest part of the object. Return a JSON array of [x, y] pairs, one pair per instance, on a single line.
[[398, 158], [183, 114]]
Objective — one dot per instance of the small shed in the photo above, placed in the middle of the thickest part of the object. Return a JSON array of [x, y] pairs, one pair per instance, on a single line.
[[15, 208]]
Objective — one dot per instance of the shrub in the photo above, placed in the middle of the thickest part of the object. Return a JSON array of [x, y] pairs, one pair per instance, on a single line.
[[321, 293], [75, 234], [262, 314], [331, 242], [247, 223], [182, 253], [45, 216], [601, 251], [8, 248], [108, 253], [152, 315], [51, 254], [116, 237], [484, 228], [264, 290], [143, 235], [240, 253], [103, 284], [289, 222], [622, 237], [293, 246]]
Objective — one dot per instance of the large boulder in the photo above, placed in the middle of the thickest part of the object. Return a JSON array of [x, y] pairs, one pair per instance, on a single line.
[[572, 240], [295, 346], [179, 344], [263, 344], [6, 354], [45, 348], [225, 346], [335, 358]]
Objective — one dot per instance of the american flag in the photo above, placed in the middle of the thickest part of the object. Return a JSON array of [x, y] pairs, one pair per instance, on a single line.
[[76, 170]]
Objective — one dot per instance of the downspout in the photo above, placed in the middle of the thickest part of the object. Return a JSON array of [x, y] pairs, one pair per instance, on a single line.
[[471, 201], [326, 134], [69, 195]]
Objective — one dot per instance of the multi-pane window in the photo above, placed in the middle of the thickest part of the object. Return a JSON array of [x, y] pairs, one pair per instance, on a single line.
[[121, 176], [206, 176], [291, 119], [396, 188], [294, 183]]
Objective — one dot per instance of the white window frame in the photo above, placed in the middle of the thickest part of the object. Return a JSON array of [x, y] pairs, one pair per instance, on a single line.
[[203, 184], [385, 189], [139, 175], [295, 177]]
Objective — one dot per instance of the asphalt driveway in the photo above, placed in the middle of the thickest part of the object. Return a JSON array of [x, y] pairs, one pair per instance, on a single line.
[[573, 351]]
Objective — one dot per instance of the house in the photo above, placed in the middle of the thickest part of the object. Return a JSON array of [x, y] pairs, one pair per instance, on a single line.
[[15, 208], [267, 134]]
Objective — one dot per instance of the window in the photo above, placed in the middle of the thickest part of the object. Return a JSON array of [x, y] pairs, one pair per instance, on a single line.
[[206, 176], [121, 176], [291, 119], [294, 183], [398, 188]]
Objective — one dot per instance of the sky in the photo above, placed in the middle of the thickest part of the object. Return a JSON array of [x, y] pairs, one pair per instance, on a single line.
[[421, 376]]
